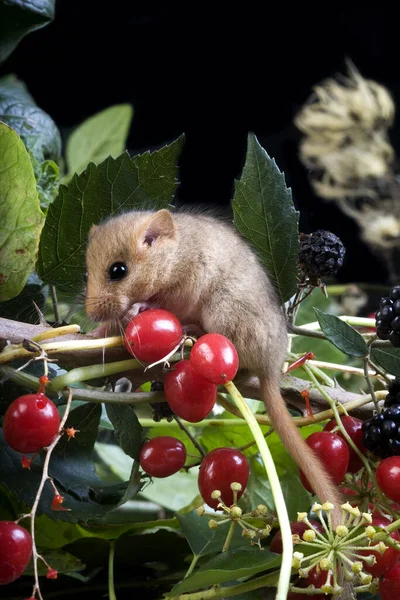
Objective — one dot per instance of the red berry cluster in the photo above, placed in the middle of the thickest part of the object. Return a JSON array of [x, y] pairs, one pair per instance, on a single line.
[[191, 391]]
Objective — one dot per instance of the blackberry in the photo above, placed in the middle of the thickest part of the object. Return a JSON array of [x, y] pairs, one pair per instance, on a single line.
[[382, 432], [387, 318], [393, 396], [320, 253]]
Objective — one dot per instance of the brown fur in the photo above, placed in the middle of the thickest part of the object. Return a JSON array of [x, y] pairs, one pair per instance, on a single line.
[[201, 270]]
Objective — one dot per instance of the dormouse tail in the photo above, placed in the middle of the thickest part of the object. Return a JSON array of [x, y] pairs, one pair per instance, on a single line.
[[301, 453]]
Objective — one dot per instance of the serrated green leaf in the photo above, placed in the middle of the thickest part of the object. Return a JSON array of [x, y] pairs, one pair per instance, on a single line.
[[20, 17], [245, 561], [342, 335], [388, 359], [265, 215], [128, 431], [203, 540], [145, 181], [21, 219], [229, 436], [100, 136]]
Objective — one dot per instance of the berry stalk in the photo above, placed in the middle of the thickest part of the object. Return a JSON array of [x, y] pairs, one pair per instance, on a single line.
[[45, 477], [280, 505]]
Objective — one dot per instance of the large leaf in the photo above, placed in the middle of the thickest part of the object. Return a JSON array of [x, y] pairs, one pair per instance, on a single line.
[[388, 359], [20, 17], [245, 561], [20, 112], [265, 215], [148, 180], [100, 136], [21, 219], [128, 431], [342, 335]]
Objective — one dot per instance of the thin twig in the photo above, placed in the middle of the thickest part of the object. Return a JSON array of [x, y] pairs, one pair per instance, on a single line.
[[45, 477], [191, 438]]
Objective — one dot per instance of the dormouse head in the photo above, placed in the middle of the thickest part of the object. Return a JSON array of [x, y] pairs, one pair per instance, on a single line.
[[129, 260]]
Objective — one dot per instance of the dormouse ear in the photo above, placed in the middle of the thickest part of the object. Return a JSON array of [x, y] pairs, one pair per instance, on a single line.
[[160, 224], [92, 230]]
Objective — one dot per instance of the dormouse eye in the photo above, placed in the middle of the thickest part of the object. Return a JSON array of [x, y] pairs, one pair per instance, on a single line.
[[118, 271], [85, 277]]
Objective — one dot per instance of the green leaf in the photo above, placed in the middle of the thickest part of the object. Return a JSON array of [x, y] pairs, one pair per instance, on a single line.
[[128, 431], [46, 172], [20, 17], [231, 565], [265, 215], [202, 539], [121, 184], [20, 112], [229, 436], [342, 335], [388, 359], [297, 499], [61, 561], [100, 136], [21, 219], [134, 485]]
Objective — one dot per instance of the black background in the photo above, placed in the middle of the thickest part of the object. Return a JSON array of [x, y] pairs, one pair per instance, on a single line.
[[215, 75]]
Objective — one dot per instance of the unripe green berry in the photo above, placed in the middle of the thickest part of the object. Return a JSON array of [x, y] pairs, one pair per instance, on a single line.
[[215, 494], [235, 512], [213, 524]]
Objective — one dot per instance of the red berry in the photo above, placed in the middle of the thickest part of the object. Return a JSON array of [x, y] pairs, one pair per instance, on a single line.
[[31, 423], [218, 470], [296, 527], [388, 477], [214, 357], [389, 586], [388, 559], [318, 578], [152, 334], [332, 451], [353, 427], [15, 551], [189, 395], [162, 456]]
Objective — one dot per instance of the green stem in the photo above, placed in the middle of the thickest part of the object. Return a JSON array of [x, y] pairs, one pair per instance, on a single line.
[[279, 500], [111, 589], [215, 593], [229, 537], [369, 383], [351, 320], [54, 302], [336, 414], [321, 375], [92, 372], [206, 423], [192, 565]]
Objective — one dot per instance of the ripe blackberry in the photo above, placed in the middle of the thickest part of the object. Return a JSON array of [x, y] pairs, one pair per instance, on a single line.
[[320, 253], [393, 396], [388, 317], [382, 432]]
